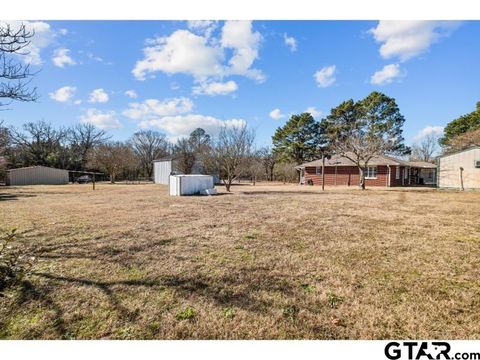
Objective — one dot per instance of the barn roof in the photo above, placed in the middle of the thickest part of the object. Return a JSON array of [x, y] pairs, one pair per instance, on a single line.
[[35, 167]]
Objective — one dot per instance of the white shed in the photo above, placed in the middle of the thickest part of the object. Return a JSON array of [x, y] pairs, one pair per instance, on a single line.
[[460, 169], [162, 168], [191, 185], [36, 175]]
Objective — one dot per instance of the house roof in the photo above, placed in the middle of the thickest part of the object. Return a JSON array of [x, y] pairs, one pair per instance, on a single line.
[[338, 160]]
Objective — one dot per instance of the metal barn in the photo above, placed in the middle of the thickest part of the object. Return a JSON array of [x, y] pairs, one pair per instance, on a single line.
[[36, 175], [460, 170]]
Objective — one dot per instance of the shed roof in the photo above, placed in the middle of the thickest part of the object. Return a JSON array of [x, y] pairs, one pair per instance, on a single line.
[[167, 158]]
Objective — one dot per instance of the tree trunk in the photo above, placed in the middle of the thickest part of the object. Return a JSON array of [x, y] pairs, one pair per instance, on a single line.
[[228, 183], [112, 178], [362, 177], [323, 172]]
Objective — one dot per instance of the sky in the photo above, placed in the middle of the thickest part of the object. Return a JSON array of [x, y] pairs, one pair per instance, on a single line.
[[175, 76]]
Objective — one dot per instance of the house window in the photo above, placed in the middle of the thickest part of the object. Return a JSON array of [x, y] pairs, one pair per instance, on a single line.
[[371, 172], [319, 170], [397, 173]]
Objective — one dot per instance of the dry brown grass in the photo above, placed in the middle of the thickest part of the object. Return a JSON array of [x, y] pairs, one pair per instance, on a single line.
[[128, 261]]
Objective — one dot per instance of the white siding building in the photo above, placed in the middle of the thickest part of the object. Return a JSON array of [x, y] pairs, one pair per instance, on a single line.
[[36, 175], [460, 170], [191, 185], [162, 168]]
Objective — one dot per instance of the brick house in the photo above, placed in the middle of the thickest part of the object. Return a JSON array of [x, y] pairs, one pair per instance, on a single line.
[[381, 171]]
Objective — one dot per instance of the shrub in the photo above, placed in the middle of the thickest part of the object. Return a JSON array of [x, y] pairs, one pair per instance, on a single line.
[[187, 314], [13, 264]]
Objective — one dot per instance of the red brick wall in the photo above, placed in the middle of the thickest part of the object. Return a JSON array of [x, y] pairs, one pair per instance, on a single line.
[[346, 175]]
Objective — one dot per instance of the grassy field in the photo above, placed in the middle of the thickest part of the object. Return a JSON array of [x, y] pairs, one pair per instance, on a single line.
[[266, 262]]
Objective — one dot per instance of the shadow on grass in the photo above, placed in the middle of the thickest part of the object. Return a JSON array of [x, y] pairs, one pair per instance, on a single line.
[[211, 289], [15, 196]]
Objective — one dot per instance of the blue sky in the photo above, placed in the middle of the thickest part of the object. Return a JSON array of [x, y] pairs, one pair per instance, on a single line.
[[174, 76]]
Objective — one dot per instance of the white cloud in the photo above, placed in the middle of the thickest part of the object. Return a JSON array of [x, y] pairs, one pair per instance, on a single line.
[[101, 119], [43, 37], [174, 85], [276, 114], [63, 94], [387, 75], [203, 27], [77, 102], [215, 88], [202, 57], [429, 130], [239, 36], [61, 57], [98, 96], [290, 41], [181, 52], [325, 76], [132, 94], [153, 108], [313, 111], [406, 39], [182, 125]]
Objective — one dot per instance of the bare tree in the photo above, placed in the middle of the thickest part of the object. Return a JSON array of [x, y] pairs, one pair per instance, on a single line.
[[268, 160], [149, 145], [15, 76], [286, 172], [83, 138], [40, 144], [462, 141], [231, 152], [112, 158], [425, 150], [184, 155]]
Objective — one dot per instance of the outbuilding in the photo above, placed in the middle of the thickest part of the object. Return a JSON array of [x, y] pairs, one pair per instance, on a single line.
[[191, 185], [162, 169], [36, 175], [460, 170]]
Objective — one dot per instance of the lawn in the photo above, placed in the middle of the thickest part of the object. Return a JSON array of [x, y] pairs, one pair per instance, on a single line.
[[265, 262]]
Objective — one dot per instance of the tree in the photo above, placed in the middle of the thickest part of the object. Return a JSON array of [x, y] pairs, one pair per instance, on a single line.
[[425, 150], [370, 127], [40, 144], [83, 138], [112, 158], [461, 125], [286, 172], [463, 141], [200, 140], [297, 140], [184, 155], [14, 75], [149, 145], [191, 152], [268, 159], [231, 152]]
